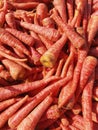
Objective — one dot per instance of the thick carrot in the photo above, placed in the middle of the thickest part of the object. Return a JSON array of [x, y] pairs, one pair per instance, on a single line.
[[5, 115], [24, 6], [16, 70], [7, 38], [70, 32], [49, 58], [19, 116], [61, 8], [92, 28], [14, 90], [87, 103], [48, 22], [5, 104], [41, 12], [88, 67], [33, 118], [49, 33], [25, 38], [10, 19]]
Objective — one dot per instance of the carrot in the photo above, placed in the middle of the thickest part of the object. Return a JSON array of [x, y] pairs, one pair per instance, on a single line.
[[89, 9], [95, 6], [39, 46], [4, 116], [49, 58], [49, 33], [70, 32], [19, 116], [64, 127], [14, 90], [41, 12], [64, 120], [7, 38], [87, 104], [10, 19], [88, 67], [61, 8], [5, 104], [48, 22], [92, 28], [33, 118], [24, 6], [70, 8], [16, 71], [25, 38], [72, 127]]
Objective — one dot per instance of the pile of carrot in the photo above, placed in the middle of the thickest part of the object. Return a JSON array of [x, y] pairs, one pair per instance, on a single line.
[[48, 64]]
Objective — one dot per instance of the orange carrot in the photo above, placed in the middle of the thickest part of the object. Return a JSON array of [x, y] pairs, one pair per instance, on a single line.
[[5, 104], [49, 33], [48, 22], [5, 115], [33, 118], [14, 90], [10, 19], [61, 8], [70, 32], [24, 6], [7, 38], [87, 103], [25, 38], [70, 8]]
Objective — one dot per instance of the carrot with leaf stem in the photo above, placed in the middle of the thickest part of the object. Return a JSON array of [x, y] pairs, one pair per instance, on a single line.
[[49, 58], [24, 6], [7, 38], [6, 103], [33, 118], [5, 115], [19, 116], [88, 67], [61, 8], [14, 90], [10, 19], [25, 38], [49, 33], [87, 103], [70, 32]]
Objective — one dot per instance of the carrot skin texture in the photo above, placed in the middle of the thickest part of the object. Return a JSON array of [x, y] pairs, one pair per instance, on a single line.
[[87, 104], [6, 103], [49, 33], [14, 90], [70, 32], [7, 38], [25, 38], [4, 116], [33, 118]]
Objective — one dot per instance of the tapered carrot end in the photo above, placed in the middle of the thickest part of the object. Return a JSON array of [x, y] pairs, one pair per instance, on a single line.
[[48, 60]]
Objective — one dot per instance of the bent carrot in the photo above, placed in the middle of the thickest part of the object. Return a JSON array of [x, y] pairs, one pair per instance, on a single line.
[[33, 118], [5, 115], [49, 33]]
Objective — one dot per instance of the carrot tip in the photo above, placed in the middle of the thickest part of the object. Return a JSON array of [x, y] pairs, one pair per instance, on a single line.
[[48, 60]]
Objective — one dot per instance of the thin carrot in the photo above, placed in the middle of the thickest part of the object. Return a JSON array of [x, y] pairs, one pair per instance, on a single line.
[[24, 6], [61, 8], [49, 33], [70, 8], [70, 32], [7, 38], [33, 118], [5, 104], [5, 115], [25, 38], [14, 90], [87, 103]]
